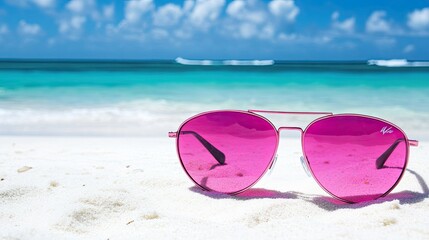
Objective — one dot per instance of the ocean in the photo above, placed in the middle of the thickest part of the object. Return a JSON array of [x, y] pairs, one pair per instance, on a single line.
[[150, 98]]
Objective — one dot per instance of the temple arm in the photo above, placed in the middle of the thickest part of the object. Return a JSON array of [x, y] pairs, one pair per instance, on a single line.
[[217, 154], [379, 163]]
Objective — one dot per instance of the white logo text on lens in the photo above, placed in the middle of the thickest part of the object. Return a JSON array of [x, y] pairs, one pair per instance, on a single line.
[[386, 129]]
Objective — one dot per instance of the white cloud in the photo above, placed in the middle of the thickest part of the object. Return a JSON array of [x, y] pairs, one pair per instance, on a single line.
[[26, 3], [257, 19], [76, 22], [409, 48], [64, 26], [419, 19], [132, 26], [322, 39], [348, 25], [72, 25], [246, 11], [183, 34], [135, 9], [79, 12], [44, 3], [29, 29], [287, 37], [335, 15], [249, 19], [168, 15], [76, 6], [284, 9], [105, 13], [188, 5], [235, 8], [3, 29], [247, 30], [159, 33], [377, 23], [267, 32], [205, 13], [109, 11], [243, 19], [18, 3]]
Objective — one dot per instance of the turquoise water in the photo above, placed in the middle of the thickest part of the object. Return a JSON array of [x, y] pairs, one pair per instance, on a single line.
[[150, 98]]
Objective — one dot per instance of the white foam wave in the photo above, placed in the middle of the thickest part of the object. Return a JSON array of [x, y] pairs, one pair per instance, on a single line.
[[184, 61], [194, 62], [145, 118], [397, 63], [154, 118], [249, 62]]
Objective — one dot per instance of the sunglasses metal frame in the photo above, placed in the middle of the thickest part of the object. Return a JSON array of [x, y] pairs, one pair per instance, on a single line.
[[326, 115]]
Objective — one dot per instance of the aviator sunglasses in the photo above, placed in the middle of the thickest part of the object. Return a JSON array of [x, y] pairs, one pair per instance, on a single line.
[[353, 157]]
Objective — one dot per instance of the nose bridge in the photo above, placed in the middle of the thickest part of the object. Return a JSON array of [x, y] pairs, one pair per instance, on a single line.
[[291, 129]]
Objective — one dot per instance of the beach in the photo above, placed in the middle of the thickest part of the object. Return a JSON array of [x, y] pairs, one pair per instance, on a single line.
[[85, 154], [134, 188], [305, 120]]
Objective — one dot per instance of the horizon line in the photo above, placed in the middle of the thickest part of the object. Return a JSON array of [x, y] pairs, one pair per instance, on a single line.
[[213, 59]]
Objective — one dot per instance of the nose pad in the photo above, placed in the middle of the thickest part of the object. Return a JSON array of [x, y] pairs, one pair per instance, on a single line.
[[273, 164], [305, 166]]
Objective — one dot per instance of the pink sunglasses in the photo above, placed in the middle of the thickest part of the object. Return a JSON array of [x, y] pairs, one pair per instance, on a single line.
[[354, 158]]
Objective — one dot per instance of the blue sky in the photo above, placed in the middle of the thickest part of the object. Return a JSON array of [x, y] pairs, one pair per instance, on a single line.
[[220, 29]]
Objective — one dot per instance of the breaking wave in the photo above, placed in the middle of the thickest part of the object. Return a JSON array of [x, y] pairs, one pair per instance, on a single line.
[[397, 63], [184, 61]]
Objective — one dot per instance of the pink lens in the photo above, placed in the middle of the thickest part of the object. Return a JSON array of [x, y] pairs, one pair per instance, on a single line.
[[355, 158], [226, 151]]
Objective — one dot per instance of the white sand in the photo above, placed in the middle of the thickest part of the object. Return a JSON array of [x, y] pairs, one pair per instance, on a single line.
[[135, 188]]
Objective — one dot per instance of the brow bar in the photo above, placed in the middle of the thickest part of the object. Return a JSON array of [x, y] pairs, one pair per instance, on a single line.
[[283, 112]]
